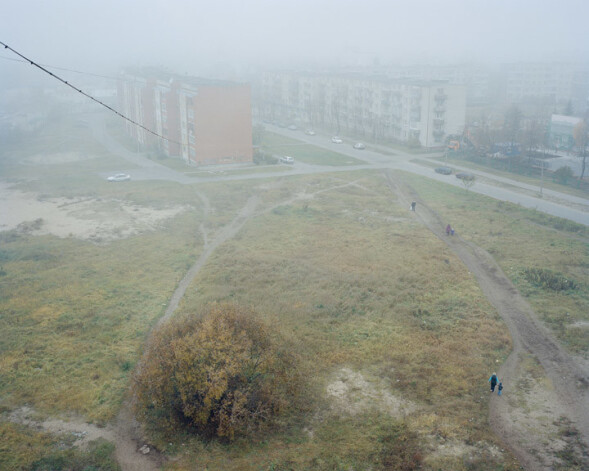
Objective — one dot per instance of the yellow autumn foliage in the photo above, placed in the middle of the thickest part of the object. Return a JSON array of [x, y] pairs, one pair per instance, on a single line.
[[223, 373]]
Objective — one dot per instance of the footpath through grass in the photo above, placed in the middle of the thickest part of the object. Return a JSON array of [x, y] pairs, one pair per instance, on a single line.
[[385, 318], [546, 257], [370, 296]]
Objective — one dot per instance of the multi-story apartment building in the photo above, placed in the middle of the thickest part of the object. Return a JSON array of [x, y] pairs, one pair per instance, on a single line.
[[551, 83], [374, 108], [202, 121]]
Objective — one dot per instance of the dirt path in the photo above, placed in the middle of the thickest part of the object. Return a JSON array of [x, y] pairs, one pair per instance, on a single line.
[[570, 380]]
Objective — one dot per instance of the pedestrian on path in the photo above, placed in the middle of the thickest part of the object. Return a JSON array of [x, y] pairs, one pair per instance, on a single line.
[[413, 204], [499, 388], [493, 380], [448, 229]]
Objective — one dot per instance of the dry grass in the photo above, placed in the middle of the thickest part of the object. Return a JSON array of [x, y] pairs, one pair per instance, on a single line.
[[332, 261], [357, 283], [521, 239]]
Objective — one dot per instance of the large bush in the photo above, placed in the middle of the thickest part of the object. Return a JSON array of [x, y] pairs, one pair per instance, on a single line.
[[223, 374]]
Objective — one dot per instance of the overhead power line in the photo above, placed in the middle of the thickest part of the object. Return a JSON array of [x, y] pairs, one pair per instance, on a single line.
[[6, 46], [63, 68]]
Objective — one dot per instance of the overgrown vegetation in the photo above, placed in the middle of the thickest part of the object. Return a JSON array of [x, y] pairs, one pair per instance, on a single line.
[[221, 374], [547, 279]]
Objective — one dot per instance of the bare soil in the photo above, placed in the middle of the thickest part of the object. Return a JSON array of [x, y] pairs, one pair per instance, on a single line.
[[568, 402]]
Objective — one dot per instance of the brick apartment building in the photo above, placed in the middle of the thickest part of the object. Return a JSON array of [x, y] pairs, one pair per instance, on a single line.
[[205, 121]]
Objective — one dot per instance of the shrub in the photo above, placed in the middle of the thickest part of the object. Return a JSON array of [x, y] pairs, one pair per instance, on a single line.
[[222, 374], [263, 158], [563, 174], [548, 279]]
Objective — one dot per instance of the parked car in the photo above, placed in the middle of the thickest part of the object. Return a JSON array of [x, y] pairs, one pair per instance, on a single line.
[[465, 176], [444, 170], [359, 146], [286, 160], [119, 177], [336, 140], [310, 132]]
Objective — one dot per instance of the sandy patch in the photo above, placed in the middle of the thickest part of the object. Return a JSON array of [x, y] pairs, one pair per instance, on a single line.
[[99, 220], [352, 393], [82, 433]]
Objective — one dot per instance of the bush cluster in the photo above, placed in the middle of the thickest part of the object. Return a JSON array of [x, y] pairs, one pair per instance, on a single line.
[[222, 374], [264, 158], [548, 279]]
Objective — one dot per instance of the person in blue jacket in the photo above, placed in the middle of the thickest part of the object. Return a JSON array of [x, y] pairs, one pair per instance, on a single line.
[[499, 388], [493, 380]]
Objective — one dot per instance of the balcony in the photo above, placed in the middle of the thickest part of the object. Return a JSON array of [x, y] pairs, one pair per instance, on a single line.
[[439, 121], [438, 132], [440, 109], [440, 96]]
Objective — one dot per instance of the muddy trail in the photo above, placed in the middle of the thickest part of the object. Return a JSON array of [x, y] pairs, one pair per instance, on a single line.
[[529, 337]]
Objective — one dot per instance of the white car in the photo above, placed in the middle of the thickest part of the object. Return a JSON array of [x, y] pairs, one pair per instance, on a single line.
[[310, 132], [359, 145], [286, 160], [119, 177], [336, 140]]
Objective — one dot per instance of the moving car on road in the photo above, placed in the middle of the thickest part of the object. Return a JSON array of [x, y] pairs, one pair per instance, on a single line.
[[119, 177], [336, 140], [359, 146]]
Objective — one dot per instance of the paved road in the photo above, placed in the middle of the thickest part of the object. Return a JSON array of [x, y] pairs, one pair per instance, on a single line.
[[501, 188]]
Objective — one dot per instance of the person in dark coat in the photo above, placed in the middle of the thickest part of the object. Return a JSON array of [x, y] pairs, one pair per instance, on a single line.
[[493, 380], [448, 229], [499, 388]]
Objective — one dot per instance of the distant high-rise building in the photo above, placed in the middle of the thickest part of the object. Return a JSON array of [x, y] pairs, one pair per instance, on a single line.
[[547, 82]]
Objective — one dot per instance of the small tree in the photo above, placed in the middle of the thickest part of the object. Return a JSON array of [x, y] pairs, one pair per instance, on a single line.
[[512, 124], [563, 174], [222, 374]]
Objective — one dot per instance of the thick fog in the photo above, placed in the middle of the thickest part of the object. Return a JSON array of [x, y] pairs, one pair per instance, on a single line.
[[232, 36]]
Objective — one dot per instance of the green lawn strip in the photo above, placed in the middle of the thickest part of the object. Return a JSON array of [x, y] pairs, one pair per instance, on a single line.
[[536, 180], [280, 145], [521, 239]]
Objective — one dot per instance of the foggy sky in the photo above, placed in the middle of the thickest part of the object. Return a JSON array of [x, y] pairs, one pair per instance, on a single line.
[[196, 36]]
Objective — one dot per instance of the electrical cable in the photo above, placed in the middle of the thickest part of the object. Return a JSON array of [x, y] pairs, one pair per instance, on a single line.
[[6, 46], [63, 68]]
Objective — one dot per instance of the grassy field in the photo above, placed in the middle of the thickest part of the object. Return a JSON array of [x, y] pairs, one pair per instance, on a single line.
[[521, 240], [385, 317]]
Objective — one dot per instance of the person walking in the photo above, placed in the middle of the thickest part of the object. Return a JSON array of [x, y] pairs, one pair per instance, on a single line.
[[413, 204], [448, 229], [493, 380], [499, 388]]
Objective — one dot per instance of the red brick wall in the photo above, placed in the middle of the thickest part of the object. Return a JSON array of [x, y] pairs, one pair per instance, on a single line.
[[223, 124]]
